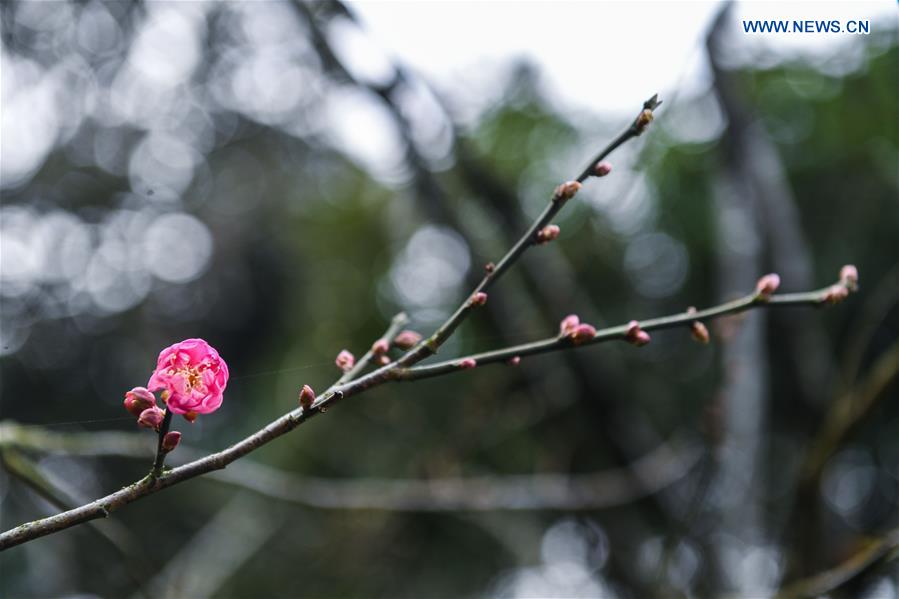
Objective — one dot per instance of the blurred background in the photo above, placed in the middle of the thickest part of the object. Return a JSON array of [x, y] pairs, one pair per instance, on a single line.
[[280, 178]]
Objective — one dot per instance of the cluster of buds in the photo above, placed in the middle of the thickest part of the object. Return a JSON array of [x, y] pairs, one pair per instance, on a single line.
[[307, 396], [635, 335], [141, 403], [766, 286], [379, 351], [566, 191], [698, 330], [579, 332], [478, 299], [548, 233], [345, 360], [836, 293]]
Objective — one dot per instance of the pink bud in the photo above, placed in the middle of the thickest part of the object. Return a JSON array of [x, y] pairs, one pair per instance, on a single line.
[[582, 333], [568, 324], [467, 363], [382, 360], [548, 233], [139, 399], [170, 441], [635, 335], [151, 418], [566, 191], [380, 347], [602, 169], [700, 332], [849, 276], [514, 361], [479, 299], [835, 294], [767, 285], [489, 267], [345, 360], [406, 339], [307, 396]]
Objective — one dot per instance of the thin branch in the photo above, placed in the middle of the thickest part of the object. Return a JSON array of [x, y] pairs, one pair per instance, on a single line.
[[684, 319], [397, 323], [159, 462], [430, 345]]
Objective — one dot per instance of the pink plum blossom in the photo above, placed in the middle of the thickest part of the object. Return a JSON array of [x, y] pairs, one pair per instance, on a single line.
[[192, 376]]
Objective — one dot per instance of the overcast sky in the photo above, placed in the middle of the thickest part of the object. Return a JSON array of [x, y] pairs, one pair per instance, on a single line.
[[586, 49]]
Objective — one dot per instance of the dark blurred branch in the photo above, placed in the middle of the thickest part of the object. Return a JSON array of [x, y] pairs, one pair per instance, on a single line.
[[620, 332], [847, 412], [824, 583], [645, 476]]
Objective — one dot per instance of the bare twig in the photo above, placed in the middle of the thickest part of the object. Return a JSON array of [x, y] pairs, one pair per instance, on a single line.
[[430, 345], [684, 319]]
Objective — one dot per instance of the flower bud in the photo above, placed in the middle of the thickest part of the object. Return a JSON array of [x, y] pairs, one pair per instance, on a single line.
[[767, 285], [643, 120], [602, 169], [849, 277], [635, 335], [380, 347], [139, 399], [382, 360], [406, 339], [566, 191], [479, 299], [151, 418], [170, 441], [345, 360], [835, 294], [699, 332], [582, 333], [568, 324], [467, 363], [307, 396], [548, 233], [514, 361], [489, 267]]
